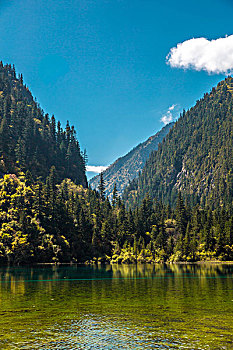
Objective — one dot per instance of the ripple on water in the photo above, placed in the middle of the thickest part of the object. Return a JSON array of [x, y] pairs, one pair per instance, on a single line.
[[97, 332], [117, 307]]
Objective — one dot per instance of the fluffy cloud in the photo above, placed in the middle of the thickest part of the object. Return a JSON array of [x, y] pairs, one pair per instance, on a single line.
[[96, 169], [172, 107], [213, 56], [168, 117]]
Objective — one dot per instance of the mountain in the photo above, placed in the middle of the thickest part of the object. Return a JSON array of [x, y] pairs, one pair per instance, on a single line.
[[32, 141], [196, 158], [128, 167], [47, 217]]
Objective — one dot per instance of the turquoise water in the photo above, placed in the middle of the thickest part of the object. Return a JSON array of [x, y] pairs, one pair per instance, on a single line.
[[117, 307]]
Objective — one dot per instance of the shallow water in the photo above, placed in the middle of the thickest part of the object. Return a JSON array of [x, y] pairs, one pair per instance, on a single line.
[[117, 307]]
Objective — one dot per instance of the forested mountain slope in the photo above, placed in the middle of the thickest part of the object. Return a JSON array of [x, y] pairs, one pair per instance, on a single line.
[[45, 217], [31, 140], [127, 168], [196, 157]]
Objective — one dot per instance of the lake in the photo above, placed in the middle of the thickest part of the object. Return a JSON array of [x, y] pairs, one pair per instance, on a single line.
[[117, 307]]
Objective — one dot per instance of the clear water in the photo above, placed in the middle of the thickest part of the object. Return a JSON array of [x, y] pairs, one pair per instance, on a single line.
[[117, 307]]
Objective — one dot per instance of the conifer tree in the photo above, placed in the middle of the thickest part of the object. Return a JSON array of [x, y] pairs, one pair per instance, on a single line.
[[101, 187], [4, 138], [181, 217], [114, 195]]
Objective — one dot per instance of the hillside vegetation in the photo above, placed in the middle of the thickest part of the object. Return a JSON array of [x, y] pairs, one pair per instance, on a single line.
[[32, 141], [47, 214], [196, 158]]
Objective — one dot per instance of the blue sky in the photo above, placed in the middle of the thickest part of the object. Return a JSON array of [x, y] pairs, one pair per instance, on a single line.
[[102, 63]]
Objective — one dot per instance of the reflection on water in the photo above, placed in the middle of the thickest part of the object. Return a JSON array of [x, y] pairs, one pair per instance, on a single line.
[[117, 307], [94, 332]]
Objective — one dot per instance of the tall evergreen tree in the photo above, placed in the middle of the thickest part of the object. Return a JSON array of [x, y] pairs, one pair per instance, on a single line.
[[101, 187]]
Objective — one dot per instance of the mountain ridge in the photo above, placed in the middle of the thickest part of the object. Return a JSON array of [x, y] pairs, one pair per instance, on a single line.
[[31, 140], [196, 156], [127, 167]]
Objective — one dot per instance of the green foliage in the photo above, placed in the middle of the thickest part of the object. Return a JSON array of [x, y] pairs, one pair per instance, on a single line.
[[101, 187], [47, 213], [195, 158], [30, 139], [46, 222]]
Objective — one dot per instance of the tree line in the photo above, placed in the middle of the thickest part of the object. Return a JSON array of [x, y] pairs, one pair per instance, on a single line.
[[49, 214], [65, 222]]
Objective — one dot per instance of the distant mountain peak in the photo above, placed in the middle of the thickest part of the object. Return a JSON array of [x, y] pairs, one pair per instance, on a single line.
[[127, 168]]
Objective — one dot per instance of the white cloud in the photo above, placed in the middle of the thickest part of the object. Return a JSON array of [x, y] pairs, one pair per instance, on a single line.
[[96, 169], [172, 107], [213, 56], [168, 116]]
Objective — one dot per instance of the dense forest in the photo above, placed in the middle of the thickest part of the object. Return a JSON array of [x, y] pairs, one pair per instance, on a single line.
[[45, 222], [49, 214], [32, 141], [196, 157]]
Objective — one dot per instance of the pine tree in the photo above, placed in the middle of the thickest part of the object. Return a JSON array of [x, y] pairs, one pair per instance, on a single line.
[[114, 195], [20, 152], [181, 217], [85, 158], [187, 240], [161, 239], [4, 138], [101, 187], [229, 232], [52, 190]]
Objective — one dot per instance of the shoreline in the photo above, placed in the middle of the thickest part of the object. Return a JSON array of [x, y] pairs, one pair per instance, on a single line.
[[212, 262]]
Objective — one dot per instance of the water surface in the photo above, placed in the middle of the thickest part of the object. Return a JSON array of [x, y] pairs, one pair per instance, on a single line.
[[117, 307]]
